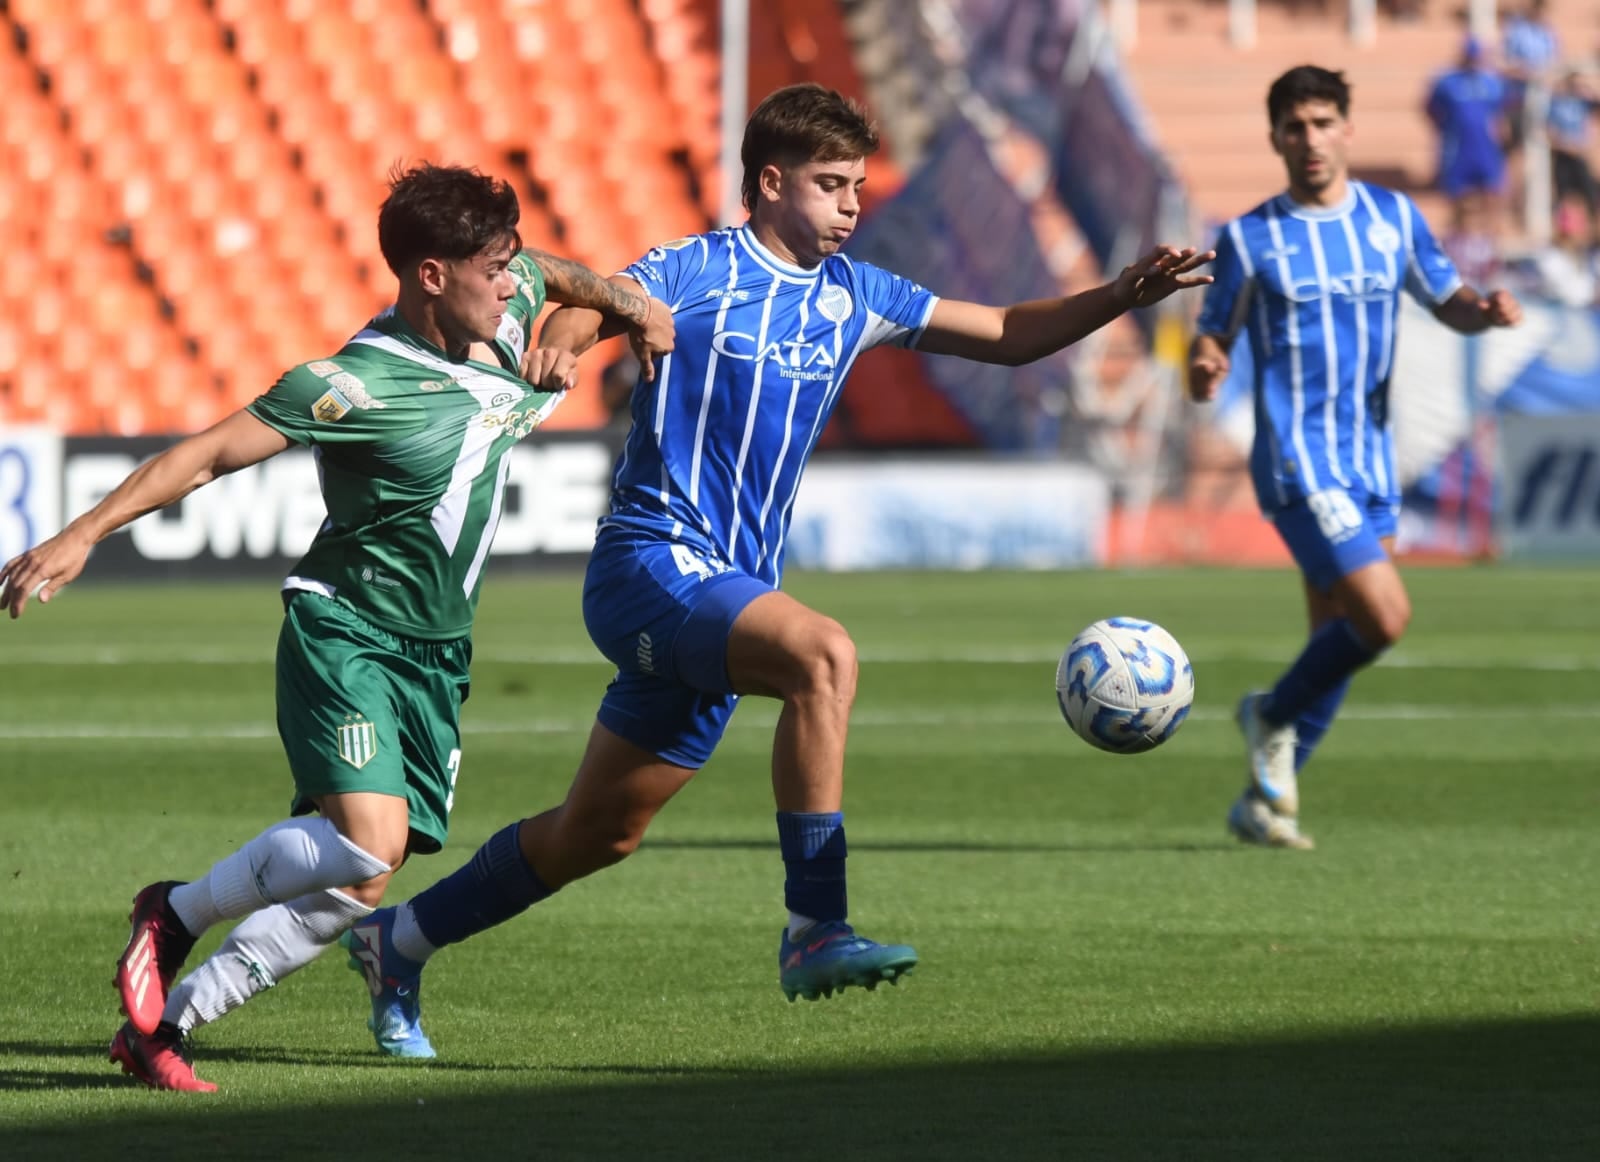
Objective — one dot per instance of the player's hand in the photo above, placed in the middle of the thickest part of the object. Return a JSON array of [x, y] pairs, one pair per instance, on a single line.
[[656, 337], [1164, 271], [550, 368], [43, 570], [1206, 373], [1502, 309]]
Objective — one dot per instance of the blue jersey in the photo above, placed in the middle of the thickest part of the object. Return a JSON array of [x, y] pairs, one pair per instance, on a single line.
[[721, 437], [1318, 291]]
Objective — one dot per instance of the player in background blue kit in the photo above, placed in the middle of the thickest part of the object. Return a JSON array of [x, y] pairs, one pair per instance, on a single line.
[[1314, 277], [682, 588]]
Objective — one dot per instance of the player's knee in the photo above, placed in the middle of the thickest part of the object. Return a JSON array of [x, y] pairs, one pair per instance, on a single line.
[[1383, 626], [370, 892], [828, 663]]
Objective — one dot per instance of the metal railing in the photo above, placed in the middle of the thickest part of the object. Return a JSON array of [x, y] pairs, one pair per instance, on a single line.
[[1361, 23]]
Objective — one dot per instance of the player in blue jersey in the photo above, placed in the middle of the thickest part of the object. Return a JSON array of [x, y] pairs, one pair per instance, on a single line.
[[1314, 277], [682, 588]]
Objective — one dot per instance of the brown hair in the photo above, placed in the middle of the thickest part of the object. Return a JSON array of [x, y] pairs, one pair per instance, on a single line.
[[803, 123], [444, 211]]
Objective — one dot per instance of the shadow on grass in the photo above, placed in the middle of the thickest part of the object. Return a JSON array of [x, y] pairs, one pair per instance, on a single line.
[[1496, 1091], [948, 846]]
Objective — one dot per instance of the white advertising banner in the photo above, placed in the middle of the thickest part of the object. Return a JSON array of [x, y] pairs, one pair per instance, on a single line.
[[949, 514], [1549, 503], [30, 488]]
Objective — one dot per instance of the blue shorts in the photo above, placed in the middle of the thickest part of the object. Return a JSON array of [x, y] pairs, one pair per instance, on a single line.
[[662, 613], [1334, 532], [1470, 172]]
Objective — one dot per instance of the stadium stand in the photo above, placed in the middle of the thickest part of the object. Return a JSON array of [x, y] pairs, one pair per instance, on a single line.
[[191, 184]]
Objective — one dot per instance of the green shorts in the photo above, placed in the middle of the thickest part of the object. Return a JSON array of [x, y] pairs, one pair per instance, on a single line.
[[362, 709]]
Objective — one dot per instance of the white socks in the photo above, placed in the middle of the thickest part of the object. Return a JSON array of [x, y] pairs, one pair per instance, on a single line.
[[408, 937], [284, 862], [260, 952]]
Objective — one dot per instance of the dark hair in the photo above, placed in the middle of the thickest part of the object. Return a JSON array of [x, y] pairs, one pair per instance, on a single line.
[[444, 211], [1307, 83], [803, 123]]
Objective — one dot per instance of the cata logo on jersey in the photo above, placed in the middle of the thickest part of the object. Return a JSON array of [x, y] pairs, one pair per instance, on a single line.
[[796, 358], [1367, 286]]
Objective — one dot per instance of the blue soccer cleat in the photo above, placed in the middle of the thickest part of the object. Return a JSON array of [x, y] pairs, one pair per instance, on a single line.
[[829, 957], [395, 983]]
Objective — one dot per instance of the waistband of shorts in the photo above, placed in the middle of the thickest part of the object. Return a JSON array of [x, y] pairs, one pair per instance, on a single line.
[[410, 647]]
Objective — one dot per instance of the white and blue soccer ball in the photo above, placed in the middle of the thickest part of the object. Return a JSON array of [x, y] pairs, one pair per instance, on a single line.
[[1125, 685]]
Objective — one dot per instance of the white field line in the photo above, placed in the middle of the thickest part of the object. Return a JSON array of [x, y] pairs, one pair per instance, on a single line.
[[127, 656], [756, 718]]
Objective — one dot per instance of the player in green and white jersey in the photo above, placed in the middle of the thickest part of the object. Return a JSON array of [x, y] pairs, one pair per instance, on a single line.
[[410, 422]]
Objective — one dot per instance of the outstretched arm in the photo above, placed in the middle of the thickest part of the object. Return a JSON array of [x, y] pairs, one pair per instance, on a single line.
[[1027, 331], [236, 442]]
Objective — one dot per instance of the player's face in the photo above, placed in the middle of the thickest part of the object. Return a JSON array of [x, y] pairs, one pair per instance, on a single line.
[[475, 292], [818, 204], [1313, 139]]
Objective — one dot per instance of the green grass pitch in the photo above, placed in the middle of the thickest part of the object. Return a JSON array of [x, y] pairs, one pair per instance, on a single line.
[[1105, 974]]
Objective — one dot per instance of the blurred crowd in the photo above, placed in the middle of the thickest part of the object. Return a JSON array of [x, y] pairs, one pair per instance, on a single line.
[[1515, 160]]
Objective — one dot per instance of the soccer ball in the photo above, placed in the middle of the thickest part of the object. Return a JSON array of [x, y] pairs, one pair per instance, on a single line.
[[1125, 685]]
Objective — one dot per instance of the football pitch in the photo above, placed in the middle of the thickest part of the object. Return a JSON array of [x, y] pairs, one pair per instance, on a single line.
[[1105, 974]]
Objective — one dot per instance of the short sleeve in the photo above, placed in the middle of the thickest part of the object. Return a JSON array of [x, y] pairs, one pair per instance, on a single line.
[[897, 309], [667, 270], [1431, 277], [529, 279], [322, 403], [1227, 299]]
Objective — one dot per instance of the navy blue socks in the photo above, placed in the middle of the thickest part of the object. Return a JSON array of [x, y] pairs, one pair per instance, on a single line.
[[493, 886], [1334, 653], [813, 850]]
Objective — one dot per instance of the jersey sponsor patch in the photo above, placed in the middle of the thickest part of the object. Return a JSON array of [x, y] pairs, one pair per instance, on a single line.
[[432, 385], [324, 368], [358, 741], [331, 407]]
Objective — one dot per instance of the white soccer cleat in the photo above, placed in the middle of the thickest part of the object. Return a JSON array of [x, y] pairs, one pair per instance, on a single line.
[[1252, 821], [1271, 756]]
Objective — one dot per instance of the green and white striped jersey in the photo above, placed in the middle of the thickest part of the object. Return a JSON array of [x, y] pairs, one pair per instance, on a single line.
[[411, 449]]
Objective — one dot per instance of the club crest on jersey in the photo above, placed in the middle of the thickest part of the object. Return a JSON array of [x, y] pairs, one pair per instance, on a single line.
[[331, 407], [1385, 239], [358, 740], [834, 304], [511, 333]]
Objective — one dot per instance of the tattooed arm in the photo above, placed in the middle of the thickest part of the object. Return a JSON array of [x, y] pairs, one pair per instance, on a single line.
[[594, 308], [572, 284]]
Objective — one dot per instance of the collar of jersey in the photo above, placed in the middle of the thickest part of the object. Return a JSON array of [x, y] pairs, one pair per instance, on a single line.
[[1287, 205], [771, 262], [393, 324]]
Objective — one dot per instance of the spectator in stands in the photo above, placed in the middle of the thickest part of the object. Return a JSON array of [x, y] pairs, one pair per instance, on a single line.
[[1529, 52], [1572, 103], [1564, 271], [1466, 106]]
